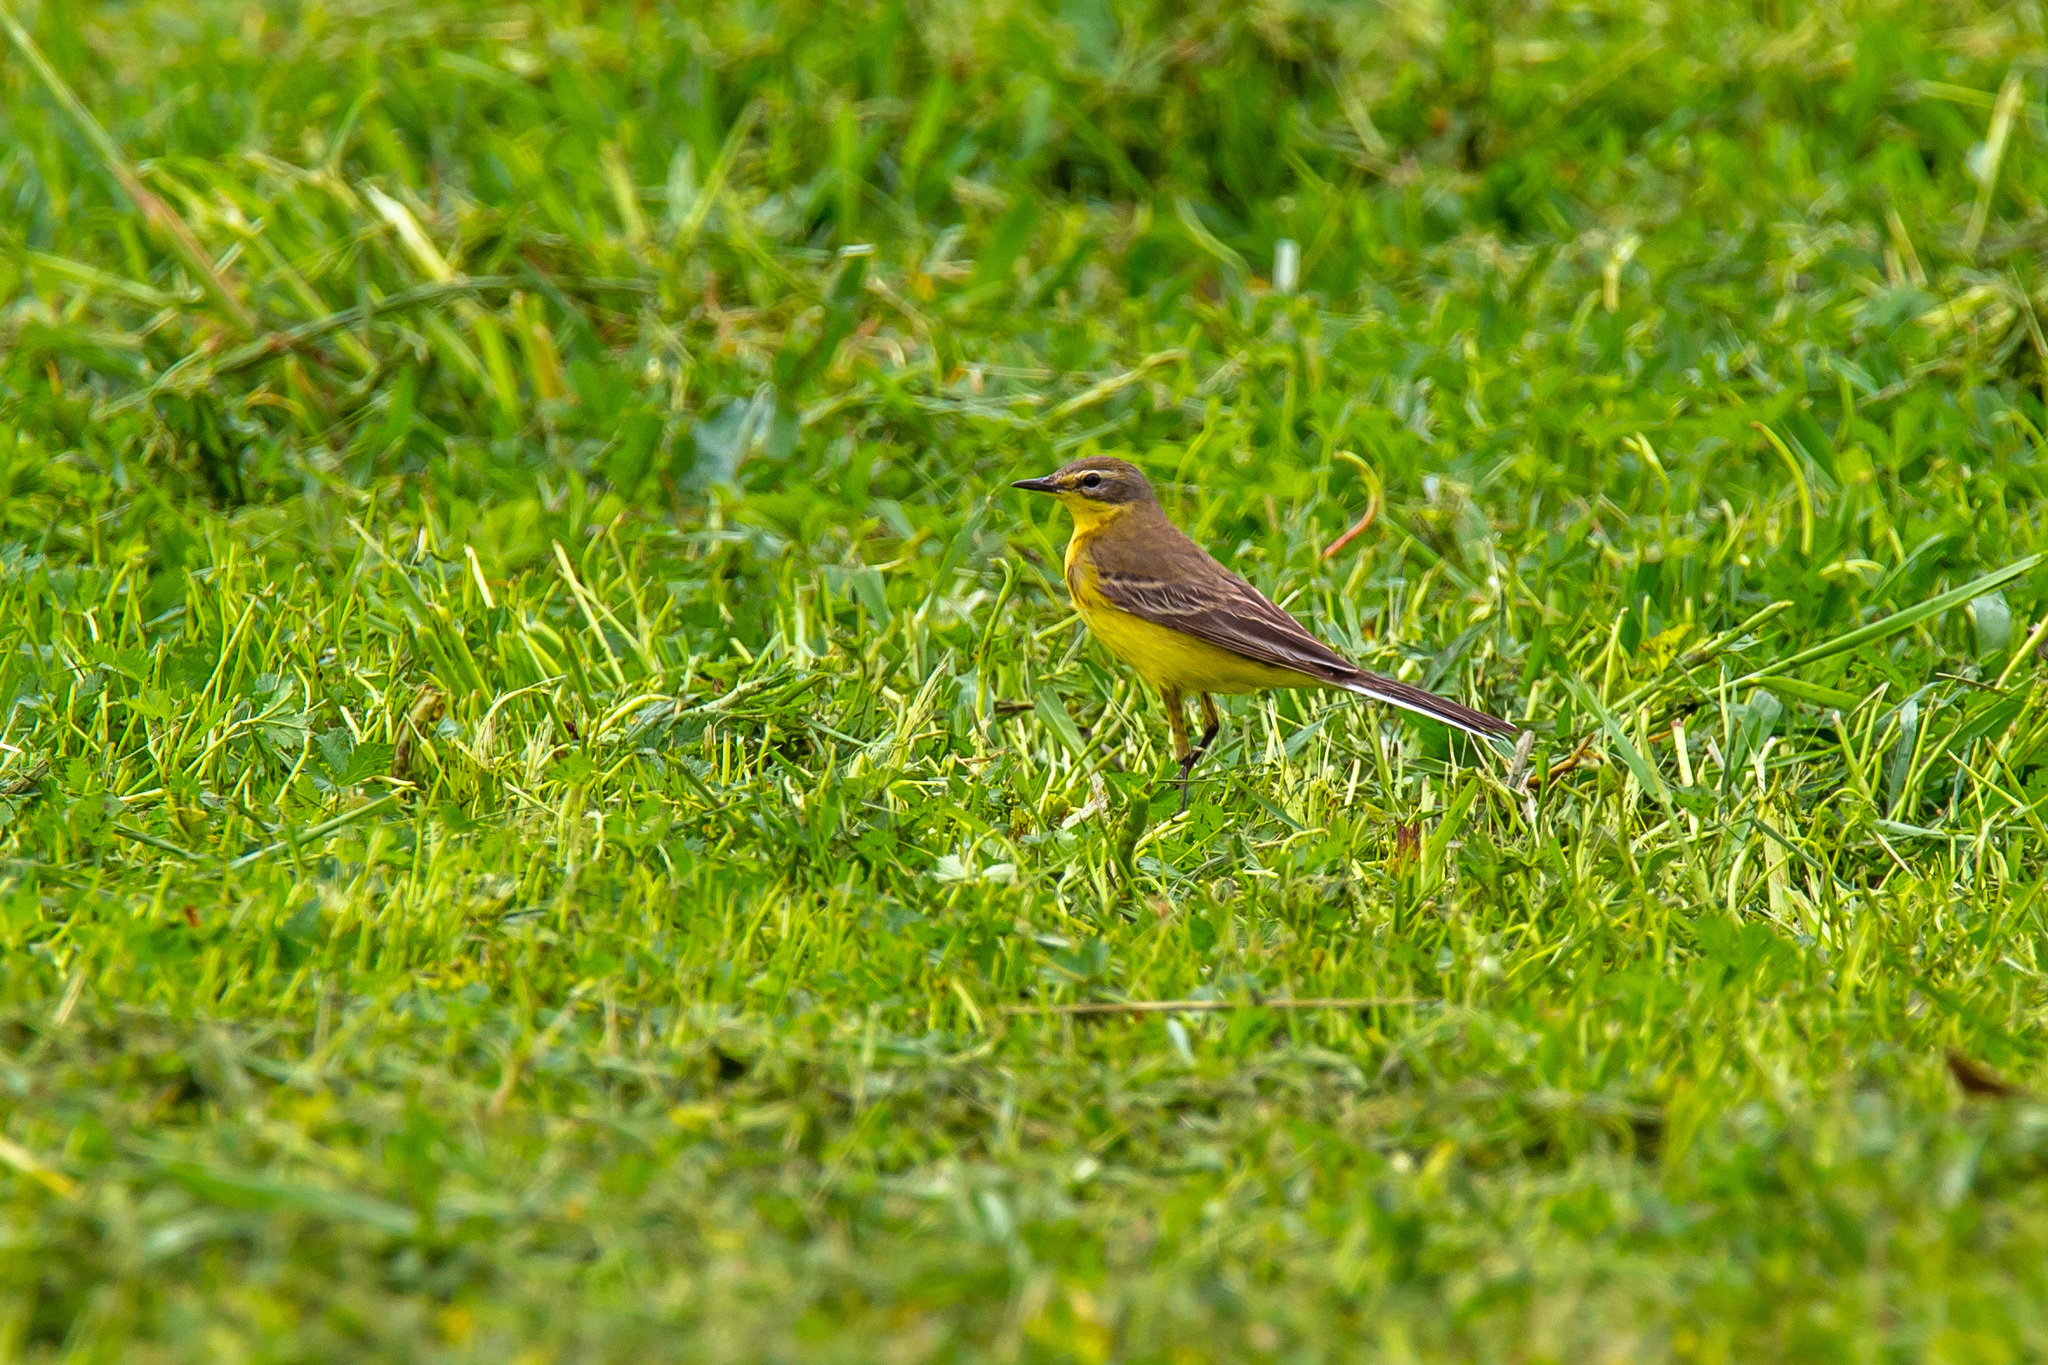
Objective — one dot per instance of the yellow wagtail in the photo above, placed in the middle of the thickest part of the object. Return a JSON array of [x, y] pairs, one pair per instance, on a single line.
[[1187, 624]]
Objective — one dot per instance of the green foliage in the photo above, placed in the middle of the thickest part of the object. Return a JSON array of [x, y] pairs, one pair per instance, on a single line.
[[551, 803]]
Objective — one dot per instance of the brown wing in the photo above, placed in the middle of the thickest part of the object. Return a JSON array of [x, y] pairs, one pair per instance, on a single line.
[[1157, 573], [1178, 585], [1228, 612]]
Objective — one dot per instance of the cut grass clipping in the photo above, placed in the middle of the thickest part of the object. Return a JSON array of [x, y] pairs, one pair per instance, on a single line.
[[552, 806]]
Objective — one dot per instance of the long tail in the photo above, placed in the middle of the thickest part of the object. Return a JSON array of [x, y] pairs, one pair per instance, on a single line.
[[1411, 698]]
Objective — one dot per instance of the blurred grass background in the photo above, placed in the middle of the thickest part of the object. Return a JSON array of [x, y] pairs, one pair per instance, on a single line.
[[550, 803]]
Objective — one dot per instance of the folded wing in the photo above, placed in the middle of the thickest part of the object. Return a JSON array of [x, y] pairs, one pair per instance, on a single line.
[[1223, 609], [1226, 611]]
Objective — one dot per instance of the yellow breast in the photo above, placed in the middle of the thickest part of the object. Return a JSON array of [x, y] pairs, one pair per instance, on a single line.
[[1167, 659]]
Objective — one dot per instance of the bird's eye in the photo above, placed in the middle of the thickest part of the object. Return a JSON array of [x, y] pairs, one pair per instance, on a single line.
[[1092, 481]]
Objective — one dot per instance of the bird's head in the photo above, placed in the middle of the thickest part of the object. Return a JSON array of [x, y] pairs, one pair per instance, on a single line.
[[1095, 490]]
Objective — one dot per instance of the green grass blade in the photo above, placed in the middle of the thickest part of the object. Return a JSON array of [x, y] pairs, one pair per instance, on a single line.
[[1898, 621], [159, 215]]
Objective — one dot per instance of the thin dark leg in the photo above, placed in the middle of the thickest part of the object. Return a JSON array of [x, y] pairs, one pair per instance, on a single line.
[[1211, 723]]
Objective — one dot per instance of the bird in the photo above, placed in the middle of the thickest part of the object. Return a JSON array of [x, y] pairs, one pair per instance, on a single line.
[[1160, 603]]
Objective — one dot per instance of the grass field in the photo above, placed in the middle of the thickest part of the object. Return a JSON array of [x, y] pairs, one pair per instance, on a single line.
[[552, 807]]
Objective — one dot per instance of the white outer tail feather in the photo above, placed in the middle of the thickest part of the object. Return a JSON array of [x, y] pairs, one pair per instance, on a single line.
[[1410, 698]]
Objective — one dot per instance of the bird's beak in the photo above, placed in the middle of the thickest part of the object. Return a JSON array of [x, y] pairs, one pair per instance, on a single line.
[[1045, 485]]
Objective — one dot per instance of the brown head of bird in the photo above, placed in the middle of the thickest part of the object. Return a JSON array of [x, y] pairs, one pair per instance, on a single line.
[[1095, 490]]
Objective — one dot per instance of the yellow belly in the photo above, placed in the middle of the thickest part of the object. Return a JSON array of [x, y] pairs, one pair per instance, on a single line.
[[1168, 659], [1173, 662]]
